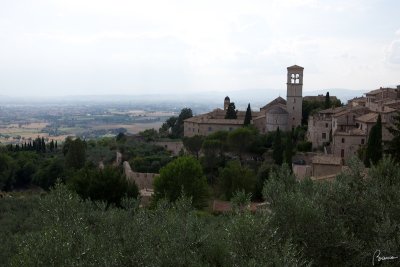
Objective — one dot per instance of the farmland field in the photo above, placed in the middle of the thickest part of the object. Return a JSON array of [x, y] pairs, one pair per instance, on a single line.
[[20, 124]]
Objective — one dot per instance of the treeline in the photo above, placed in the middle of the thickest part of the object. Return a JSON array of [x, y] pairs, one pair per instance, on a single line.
[[72, 165], [38, 145]]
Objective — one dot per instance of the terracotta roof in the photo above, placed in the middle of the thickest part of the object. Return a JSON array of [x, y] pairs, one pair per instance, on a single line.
[[327, 160], [332, 110], [369, 117], [349, 109]]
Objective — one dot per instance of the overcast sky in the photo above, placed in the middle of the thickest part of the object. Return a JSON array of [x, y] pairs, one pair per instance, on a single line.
[[168, 46]]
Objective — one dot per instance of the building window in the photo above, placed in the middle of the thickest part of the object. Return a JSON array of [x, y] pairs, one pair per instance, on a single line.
[[326, 125], [323, 135], [209, 129], [342, 140], [294, 100], [362, 141], [230, 129], [193, 129], [342, 153]]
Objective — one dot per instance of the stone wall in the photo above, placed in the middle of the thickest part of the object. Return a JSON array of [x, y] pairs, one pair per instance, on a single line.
[[142, 180]]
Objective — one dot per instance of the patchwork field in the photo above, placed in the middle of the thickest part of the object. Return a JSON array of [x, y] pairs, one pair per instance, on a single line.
[[19, 124]]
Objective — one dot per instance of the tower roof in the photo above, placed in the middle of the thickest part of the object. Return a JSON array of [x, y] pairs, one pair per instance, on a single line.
[[295, 67], [227, 98]]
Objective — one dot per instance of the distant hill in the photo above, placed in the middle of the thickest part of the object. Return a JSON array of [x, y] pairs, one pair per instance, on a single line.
[[257, 98]]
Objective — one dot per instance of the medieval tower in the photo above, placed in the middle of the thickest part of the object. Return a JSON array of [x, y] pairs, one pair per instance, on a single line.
[[294, 98]]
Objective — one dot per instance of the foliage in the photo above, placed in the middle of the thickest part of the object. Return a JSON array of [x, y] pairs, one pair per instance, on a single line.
[[313, 106], [182, 176], [173, 127], [241, 139], [108, 185], [338, 223], [231, 112], [374, 147], [49, 172], [247, 117], [70, 232], [289, 148], [75, 153], [277, 153], [149, 135], [193, 144], [327, 101], [7, 179], [304, 146], [235, 177], [393, 146]]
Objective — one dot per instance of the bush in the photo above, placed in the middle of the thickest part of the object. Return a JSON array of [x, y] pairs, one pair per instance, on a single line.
[[304, 146]]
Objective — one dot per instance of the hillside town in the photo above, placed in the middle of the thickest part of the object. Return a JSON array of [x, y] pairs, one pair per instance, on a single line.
[[336, 134]]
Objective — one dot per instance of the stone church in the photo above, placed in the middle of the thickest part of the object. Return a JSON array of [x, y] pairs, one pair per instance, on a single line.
[[281, 113]]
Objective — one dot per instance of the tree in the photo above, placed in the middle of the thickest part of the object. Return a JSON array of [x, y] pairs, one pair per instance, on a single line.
[[277, 153], [248, 117], [289, 149], [327, 101], [240, 140], [183, 176], [193, 144], [108, 184], [48, 173], [177, 129], [173, 127], [393, 146], [374, 146], [235, 177], [76, 154], [231, 112], [149, 135], [7, 169], [167, 126]]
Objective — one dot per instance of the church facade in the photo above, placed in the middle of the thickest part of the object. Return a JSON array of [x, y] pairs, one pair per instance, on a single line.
[[281, 113]]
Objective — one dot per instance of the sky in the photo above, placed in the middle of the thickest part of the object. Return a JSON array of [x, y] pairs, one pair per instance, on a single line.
[[99, 47]]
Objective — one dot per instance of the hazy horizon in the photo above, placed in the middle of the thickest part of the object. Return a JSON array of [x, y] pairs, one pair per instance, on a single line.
[[69, 48]]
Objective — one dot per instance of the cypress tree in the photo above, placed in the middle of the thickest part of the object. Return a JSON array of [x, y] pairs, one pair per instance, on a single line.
[[374, 146], [394, 144], [248, 117], [231, 112], [289, 149], [277, 153], [43, 145], [327, 101]]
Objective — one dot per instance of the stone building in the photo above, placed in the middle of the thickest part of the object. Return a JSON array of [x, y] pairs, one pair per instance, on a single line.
[[349, 126], [281, 113]]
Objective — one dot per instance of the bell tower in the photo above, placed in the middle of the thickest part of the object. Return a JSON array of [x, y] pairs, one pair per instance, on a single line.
[[294, 97]]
